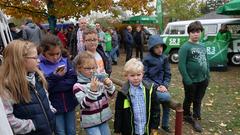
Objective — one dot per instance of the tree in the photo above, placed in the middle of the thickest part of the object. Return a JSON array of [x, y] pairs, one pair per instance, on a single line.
[[42, 9], [181, 9], [214, 4]]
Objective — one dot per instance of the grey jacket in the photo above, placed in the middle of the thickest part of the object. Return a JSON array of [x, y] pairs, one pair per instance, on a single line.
[[32, 33]]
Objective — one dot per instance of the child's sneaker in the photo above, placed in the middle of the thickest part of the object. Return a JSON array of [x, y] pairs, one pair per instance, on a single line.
[[166, 129]]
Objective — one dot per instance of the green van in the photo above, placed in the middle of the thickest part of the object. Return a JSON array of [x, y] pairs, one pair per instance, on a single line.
[[219, 53]]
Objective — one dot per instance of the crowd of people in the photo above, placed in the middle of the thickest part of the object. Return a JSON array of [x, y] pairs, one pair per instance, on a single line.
[[45, 76]]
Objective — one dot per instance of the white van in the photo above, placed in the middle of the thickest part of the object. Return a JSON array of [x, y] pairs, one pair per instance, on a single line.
[[175, 35], [5, 34]]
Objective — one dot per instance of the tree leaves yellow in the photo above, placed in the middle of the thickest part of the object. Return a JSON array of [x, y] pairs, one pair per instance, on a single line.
[[41, 9]]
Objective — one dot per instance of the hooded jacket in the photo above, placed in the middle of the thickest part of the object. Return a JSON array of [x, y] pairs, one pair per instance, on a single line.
[[156, 67], [60, 87]]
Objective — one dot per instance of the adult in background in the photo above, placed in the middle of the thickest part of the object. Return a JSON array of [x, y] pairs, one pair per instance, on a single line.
[[115, 46], [129, 41], [32, 32], [101, 35], [224, 34], [14, 32], [76, 42], [139, 39]]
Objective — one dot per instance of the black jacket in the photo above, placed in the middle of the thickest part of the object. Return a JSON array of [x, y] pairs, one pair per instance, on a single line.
[[38, 110], [124, 117]]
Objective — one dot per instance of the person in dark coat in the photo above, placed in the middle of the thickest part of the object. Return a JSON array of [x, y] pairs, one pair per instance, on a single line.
[[139, 39], [129, 42]]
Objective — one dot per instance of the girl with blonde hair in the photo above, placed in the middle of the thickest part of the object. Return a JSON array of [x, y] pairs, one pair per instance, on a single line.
[[23, 90]]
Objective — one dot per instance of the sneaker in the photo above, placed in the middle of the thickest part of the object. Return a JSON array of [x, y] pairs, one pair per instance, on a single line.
[[196, 125], [166, 129]]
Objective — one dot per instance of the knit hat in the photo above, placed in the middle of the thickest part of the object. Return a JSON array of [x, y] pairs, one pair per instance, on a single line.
[[11, 25], [155, 40]]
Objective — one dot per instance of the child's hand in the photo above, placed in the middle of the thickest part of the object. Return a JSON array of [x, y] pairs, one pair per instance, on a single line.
[[107, 82], [162, 88], [94, 84]]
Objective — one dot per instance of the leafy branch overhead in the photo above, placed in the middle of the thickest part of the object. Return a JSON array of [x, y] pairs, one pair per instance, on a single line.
[[40, 9]]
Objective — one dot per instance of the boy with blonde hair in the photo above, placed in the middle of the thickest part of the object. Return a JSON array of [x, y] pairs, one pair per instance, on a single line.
[[136, 110]]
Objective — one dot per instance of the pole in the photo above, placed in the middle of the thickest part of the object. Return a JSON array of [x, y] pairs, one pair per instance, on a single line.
[[159, 13]]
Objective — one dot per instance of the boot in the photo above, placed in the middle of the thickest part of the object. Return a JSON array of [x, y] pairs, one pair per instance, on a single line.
[[197, 126], [188, 119]]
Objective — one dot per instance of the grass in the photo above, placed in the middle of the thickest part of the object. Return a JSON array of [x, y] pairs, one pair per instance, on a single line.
[[221, 104]]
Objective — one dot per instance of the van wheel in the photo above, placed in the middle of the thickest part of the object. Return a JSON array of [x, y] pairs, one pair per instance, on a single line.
[[174, 58], [235, 59]]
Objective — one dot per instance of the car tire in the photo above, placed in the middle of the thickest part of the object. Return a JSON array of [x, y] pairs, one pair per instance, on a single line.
[[235, 59], [174, 57]]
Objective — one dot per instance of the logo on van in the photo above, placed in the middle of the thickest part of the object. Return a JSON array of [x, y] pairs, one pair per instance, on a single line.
[[174, 41]]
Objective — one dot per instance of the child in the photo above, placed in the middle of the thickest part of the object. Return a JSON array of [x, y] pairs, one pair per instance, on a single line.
[[136, 110], [157, 71], [194, 68], [23, 89], [93, 93], [90, 40], [61, 77]]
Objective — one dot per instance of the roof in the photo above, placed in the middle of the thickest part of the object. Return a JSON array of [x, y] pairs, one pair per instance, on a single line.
[[213, 15], [206, 21]]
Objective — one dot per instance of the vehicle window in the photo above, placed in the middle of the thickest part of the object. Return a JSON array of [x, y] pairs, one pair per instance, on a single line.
[[210, 28], [167, 31], [177, 30]]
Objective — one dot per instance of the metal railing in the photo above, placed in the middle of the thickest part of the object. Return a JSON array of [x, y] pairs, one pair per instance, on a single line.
[[174, 105]]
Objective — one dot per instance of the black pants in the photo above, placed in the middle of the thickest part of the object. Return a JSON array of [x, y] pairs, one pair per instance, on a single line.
[[194, 93], [129, 52], [139, 49]]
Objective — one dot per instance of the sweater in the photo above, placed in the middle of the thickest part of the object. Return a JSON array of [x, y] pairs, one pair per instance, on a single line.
[[193, 63], [94, 105]]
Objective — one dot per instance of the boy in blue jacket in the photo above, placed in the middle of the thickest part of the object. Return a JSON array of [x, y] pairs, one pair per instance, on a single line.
[[157, 71]]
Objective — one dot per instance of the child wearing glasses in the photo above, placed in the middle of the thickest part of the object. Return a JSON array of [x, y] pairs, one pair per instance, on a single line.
[[23, 92], [93, 93], [90, 40], [61, 77]]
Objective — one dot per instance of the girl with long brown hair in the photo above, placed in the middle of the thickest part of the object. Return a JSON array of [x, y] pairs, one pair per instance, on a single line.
[[23, 89]]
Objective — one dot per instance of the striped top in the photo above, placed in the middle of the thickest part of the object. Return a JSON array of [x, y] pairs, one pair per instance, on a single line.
[[94, 105]]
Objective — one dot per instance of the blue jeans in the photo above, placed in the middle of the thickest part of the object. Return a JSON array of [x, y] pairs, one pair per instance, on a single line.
[[65, 123], [113, 53], [102, 129], [163, 98]]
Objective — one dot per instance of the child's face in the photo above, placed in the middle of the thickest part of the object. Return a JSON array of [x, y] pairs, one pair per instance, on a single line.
[[91, 42], [158, 49], [32, 61], [88, 68], [135, 78], [53, 54], [194, 36]]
